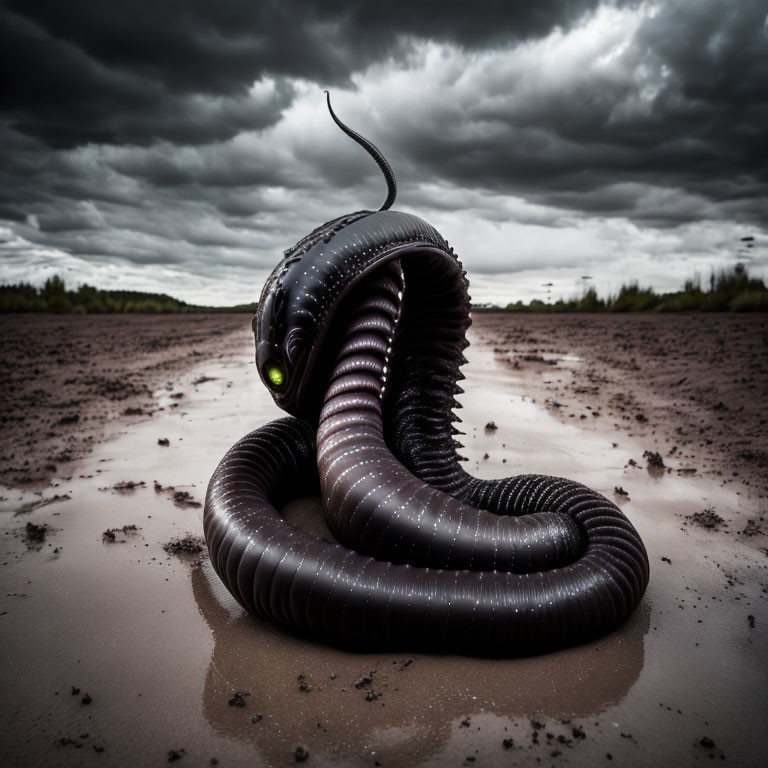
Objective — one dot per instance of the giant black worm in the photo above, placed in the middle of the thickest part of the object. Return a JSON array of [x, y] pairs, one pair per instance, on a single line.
[[360, 332]]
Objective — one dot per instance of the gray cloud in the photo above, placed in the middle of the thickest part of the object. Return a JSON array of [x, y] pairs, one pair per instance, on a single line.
[[183, 69], [193, 134], [680, 104]]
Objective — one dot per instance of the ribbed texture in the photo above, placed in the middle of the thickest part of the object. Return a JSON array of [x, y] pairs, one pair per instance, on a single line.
[[324, 590], [374, 505], [430, 557]]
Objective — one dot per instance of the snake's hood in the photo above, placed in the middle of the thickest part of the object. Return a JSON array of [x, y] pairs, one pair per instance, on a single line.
[[300, 297]]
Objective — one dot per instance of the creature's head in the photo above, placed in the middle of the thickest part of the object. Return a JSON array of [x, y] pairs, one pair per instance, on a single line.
[[293, 312], [293, 301], [302, 303]]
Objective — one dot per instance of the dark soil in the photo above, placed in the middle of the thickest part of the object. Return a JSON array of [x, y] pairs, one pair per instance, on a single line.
[[118, 535], [126, 487], [31, 506], [654, 459], [185, 499], [693, 385], [189, 545], [179, 498], [238, 699], [67, 377], [708, 518], [36, 533]]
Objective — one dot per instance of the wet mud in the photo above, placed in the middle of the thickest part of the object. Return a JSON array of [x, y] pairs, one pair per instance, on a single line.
[[128, 650]]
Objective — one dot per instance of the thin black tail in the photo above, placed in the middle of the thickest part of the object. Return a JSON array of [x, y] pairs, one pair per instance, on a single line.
[[374, 152]]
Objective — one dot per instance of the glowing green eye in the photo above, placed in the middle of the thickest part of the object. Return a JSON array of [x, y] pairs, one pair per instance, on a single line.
[[275, 376]]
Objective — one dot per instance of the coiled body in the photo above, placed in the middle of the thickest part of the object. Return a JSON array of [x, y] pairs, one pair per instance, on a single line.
[[365, 320]]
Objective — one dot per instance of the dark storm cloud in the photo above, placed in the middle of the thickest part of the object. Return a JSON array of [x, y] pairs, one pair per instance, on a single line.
[[683, 106], [133, 72], [56, 91], [192, 133]]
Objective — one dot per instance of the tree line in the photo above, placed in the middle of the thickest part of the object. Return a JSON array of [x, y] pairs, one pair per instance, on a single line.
[[729, 290], [54, 297]]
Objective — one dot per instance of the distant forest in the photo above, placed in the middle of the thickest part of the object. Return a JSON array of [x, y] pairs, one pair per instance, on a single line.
[[54, 297], [730, 290]]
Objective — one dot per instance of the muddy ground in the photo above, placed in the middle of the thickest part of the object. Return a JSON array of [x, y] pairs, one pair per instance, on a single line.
[[121, 647], [67, 379], [695, 386]]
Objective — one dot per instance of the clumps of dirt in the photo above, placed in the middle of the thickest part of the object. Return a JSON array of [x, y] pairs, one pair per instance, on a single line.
[[238, 699], [36, 534], [705, 742], [189, 545], [86, 698], [67, 741], [708, 518], [491, 426], [300, 754], [125, 486], [752, 528], [203, 379], [129, 485], [175, 754], [364, 683], [751, 621], [531, 358], [666, 560], [180, 498], [185, 499], [31, 506], [118, 535], [136, 411], [654, 460], [116, 389], [164, 441], [619, 491], [73, 419], [303, 684], [364, 680]]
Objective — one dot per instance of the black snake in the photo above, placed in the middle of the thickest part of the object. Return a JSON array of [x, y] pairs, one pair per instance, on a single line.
[[360, 332]]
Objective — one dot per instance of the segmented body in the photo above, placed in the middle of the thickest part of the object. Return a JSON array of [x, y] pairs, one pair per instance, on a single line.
[[368, 316]]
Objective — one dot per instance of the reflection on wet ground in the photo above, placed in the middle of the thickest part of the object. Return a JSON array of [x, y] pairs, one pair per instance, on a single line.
[[162, 649], [407, 710]]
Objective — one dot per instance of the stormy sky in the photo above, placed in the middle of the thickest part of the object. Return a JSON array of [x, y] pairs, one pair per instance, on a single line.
[[181, 146]]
